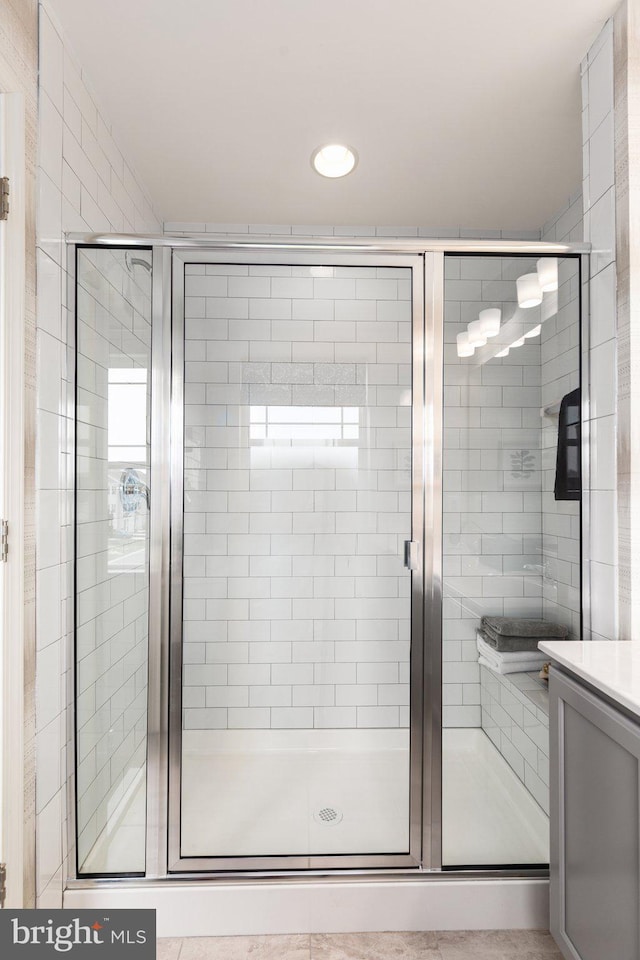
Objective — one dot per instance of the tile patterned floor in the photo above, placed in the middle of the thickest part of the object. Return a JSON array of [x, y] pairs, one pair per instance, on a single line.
[[436, 945]]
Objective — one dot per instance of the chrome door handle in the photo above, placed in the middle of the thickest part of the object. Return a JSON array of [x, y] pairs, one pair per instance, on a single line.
[[411, 554]]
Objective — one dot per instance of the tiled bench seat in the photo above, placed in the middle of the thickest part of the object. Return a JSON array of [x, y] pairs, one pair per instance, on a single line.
[[515, 715]]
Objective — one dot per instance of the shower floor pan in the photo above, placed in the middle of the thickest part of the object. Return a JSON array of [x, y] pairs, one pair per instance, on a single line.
[[253, 792]]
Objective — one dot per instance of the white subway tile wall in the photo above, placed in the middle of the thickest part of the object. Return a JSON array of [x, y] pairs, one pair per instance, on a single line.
[[599, 192], [113, 385], [515, 715], [496, 424], [561, 541], [85, 184], [297, 496], [179, 228]]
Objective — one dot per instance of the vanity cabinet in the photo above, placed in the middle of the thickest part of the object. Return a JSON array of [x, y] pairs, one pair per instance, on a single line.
[[595, 824]]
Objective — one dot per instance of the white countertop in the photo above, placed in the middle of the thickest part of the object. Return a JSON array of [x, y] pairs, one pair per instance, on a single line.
[[610, 666]]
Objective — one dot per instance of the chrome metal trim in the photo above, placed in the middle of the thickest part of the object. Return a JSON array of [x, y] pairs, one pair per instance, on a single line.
[[176, 862], [70, 847], [434, 364], [585, 504], [158, 673], [267, 254], [417, 653], [356, 244], [176, 479], [311, 876], [223, 866]]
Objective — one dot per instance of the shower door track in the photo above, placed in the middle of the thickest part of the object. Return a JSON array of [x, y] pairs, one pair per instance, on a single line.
[[382, 245], [426, 710]]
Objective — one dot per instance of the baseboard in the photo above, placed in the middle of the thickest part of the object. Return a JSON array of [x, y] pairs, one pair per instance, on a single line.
[[201, 909]]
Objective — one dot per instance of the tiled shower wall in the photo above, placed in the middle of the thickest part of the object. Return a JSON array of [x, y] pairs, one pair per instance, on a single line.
[[561, 556], [500, 579], [85, 184], [599, 226], [461, 674], [297, 499], [182, 227], [605, 343]]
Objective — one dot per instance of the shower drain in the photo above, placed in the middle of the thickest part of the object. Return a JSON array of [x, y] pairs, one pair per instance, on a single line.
[[328, 815]]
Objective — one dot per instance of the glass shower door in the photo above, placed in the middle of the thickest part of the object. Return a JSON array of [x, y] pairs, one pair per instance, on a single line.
[[112, 554], [512, 544], [292, 612]]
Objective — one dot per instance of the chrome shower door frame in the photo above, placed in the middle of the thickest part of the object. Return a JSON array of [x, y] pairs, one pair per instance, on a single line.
[[424, 457], [426, 709]]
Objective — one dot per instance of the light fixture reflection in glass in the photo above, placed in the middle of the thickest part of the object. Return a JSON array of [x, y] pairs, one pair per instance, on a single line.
[[463, 346], [477, 337], [529, 292], [490, 321], [503, 353], [534, 332], [334, 160], [517, 343], [547, 268]]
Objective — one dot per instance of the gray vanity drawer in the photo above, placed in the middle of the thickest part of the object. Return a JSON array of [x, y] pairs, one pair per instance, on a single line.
[[595, 825]]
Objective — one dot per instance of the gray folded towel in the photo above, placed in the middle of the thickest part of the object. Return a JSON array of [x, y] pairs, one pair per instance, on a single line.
[[520, 627], [510, 655], [504, 644]]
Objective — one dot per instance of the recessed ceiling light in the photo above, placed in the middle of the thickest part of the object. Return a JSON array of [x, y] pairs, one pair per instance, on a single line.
[[334, 160]]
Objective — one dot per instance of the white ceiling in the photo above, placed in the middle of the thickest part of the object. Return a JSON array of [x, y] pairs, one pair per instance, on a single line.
[[463, 112]]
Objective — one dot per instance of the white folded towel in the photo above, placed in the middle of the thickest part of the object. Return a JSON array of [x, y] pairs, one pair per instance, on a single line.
[[529, 666], [519, 662]]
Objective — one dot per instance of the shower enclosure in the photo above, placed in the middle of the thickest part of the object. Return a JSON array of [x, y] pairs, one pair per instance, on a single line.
[[294, 502]]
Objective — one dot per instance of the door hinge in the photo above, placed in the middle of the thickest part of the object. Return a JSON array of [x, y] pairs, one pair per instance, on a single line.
[[4, 541], [3, 884], [4, 198]]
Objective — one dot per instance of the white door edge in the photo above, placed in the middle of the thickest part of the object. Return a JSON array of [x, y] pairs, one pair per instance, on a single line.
[[12, 317]]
